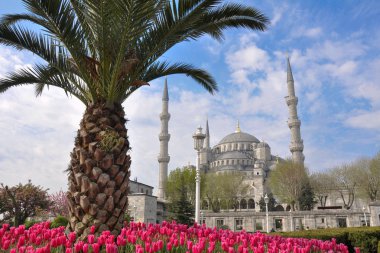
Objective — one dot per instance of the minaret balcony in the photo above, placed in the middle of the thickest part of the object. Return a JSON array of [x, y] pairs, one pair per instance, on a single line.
[[294, 123], [296, 146], [291, 100], [164, 137], [163, 159], [165, 116]]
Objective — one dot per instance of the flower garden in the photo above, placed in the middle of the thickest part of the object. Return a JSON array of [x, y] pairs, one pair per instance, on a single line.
[[165, 237]]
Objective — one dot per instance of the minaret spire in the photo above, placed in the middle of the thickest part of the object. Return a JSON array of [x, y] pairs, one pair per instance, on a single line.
[[164, 137], [238, 130], [207, 139], [296, 142]]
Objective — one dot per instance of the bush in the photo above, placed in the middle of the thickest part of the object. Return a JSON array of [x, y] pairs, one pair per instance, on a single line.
[[59, 221], [366, 238], [29, 223]]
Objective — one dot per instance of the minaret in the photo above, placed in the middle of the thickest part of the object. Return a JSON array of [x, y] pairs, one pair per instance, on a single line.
[[207, 139], [296, 143], [164, 137]]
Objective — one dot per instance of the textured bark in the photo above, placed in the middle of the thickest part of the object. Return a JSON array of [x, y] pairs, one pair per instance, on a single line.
[[99, 171]]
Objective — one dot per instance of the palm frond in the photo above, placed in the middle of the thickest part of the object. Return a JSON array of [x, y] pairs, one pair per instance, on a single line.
[[42, 76]]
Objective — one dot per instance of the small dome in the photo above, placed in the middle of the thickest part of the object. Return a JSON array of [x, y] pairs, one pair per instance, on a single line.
[[238, 137]]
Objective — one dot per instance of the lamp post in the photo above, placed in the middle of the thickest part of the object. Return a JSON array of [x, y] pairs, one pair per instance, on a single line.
[[291, 220], [365, 216], [266, 200], [198, 137], [134, 213]]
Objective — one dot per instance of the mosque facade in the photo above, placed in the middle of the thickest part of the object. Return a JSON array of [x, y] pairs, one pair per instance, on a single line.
[[238, 151]]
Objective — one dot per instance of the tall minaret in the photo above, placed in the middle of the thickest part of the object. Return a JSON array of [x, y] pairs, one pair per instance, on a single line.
[[296, 143], [164, 137]]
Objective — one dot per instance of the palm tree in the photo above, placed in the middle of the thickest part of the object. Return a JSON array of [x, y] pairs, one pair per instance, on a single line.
[[101, 52]]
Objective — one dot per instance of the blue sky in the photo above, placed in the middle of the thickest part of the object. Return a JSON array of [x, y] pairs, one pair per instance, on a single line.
[[334, 47]]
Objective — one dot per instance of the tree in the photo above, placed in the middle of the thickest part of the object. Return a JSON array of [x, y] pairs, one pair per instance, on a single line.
[[345, 183], [368, 177], [225, 187], [22, 201], [181, 210], [180, 191], [101, 52], [322, 184], [287, 182], [307, 198], [183, 177], [59, 206], [271, 203]]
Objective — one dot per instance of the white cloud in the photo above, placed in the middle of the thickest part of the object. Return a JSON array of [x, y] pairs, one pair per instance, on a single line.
[[365, 120]]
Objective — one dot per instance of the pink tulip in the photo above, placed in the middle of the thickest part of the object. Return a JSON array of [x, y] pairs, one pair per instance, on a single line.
[[91, 239], [95, 247], [92, 229]]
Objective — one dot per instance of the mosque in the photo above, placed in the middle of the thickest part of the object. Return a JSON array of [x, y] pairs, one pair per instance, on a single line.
[[243, 152], [238, 151]]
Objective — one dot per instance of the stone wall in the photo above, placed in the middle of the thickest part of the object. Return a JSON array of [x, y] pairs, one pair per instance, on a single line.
[[137, 187], [143, 207], [286, 221]]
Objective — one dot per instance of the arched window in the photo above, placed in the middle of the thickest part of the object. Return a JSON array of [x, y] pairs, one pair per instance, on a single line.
[[279, 208], [243, 204], [288, 208], [251, 204]]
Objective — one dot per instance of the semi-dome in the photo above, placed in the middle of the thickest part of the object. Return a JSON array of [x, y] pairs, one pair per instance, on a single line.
[[239, 137]]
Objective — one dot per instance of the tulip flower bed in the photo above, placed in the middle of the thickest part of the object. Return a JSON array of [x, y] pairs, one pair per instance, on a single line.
[[166, 237]]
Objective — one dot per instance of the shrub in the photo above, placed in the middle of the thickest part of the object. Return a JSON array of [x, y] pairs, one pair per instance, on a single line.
[[59, 221], [29, 223], [366, 238]]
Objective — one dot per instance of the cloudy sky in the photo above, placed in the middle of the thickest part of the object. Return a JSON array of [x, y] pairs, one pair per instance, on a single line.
[[334, 47]]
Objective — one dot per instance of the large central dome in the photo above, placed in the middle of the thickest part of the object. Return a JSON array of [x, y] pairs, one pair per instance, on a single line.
[[239, 137]]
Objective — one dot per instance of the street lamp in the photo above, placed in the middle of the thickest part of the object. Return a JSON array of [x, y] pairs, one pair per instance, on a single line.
[[198, 137], [134, 214], [266, 200], [365, 217], [291, 220]]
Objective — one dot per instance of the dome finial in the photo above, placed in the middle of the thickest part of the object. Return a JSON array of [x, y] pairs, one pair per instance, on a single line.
[[238, 127]]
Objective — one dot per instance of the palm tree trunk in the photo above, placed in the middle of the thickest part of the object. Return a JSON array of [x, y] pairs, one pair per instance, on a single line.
[[99, 171]]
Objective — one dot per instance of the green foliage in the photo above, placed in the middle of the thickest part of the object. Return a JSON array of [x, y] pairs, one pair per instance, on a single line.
[[103, 51], [271, 204], [287, 181], [225, 227], [306, 200], [59, 221], [180, 209], [30, 223], [222, 190], [183, 178], [366, 238], [22, 201]]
